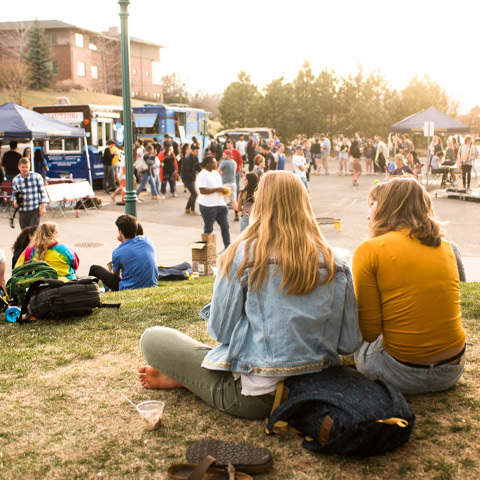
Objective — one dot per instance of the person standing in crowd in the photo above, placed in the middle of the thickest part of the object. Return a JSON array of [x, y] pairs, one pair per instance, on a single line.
[[144, 167], [251, 152], [227, 171], [259, 169], [190, 167], [241, 146], [109, 184], [466, 155], [381, 155], [212, 205], [40, 164], [280, 157], [276, 143], [138, 157], [173, 144], [134, 261], [156, 146], [10, 161], [47, 247], [246, 199], [300, 165], [168, 169], [27, 153], [270, 163], [316, 153], [342, 155], [407, 146], [35, 196], [195, 142], [369, 153], [237, 157], [355, 153], [400, 167], [326, 148]]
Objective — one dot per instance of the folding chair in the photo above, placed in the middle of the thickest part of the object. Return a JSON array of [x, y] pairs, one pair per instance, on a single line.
[[61, 197], [6, 197], [82, 191]]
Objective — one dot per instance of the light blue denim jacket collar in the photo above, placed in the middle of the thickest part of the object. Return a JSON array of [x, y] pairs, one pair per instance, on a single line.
[[269, 332]]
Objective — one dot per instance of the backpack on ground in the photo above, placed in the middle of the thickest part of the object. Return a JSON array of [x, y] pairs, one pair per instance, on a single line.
[[182, 271], [340, 411], [56, 299], [24, 276]]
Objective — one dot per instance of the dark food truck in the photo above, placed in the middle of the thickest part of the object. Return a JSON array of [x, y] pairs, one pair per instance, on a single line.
[[67, 157]]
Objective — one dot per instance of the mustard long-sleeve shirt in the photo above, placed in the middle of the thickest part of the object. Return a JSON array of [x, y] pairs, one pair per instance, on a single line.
[[410, 293]]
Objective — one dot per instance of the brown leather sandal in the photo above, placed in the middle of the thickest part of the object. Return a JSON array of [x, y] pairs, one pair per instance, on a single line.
[[204, 471]]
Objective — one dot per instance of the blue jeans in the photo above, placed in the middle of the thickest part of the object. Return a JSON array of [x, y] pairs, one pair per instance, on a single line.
[[168, 179], [220, 215], [237, 182], [244, 222], [373, 361], [146, 177]]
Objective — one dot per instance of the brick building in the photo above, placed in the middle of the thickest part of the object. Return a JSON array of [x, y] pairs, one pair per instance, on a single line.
[[90, 60]]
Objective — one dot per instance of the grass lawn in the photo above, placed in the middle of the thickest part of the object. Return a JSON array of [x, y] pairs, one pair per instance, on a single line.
[[63, 415]]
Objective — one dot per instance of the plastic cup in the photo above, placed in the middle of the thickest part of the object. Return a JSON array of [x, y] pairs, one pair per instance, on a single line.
[[151, 412], [228, 192]]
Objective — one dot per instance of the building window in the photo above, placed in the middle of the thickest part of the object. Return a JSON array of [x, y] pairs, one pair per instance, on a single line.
[[51, 37], [79, 40], [156, 73], [147, 73], [80, 69], [94, 70], [92, 46], [134, 71]]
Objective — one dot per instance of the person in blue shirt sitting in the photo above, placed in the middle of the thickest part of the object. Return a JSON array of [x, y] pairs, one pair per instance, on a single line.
[[134, 262]]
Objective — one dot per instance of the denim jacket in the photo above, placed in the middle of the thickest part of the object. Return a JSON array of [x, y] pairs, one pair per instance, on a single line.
[[270, 332]]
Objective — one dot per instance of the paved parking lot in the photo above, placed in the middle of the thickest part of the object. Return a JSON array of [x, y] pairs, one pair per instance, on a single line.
[[93, 235]]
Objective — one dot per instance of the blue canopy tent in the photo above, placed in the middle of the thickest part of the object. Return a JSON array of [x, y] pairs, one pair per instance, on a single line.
[[19, 123]]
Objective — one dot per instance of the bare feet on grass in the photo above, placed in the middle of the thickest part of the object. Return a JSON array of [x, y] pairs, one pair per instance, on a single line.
[[151, 378]]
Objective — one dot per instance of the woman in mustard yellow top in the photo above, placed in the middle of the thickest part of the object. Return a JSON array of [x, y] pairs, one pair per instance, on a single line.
[[406, 281]]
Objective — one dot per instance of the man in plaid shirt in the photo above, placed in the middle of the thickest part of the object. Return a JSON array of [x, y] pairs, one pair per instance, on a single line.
[[35, 196]]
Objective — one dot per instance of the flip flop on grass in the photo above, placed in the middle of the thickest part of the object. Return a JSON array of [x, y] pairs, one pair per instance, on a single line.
[[204, 471], [245, 458]]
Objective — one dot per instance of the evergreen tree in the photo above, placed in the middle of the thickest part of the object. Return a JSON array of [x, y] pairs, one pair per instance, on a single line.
[[39, 58]]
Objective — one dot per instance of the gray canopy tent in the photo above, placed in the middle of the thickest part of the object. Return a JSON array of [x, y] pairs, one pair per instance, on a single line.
[[415, 123], [442, 123], [19, 123]]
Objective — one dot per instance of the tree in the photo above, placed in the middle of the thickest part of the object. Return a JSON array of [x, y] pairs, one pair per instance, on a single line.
[[277, 108], [306, 101], [472, 119], [239, 104], [39, 58], [209, 102], [14, 78], [174, 89], [421, 94]]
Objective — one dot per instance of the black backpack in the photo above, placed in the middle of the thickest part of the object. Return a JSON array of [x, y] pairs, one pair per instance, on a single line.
[[57, 299], [340, 411]]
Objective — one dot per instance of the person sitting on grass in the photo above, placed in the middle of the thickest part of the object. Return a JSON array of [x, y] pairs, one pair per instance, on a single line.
[[134, 262], [282, 305], [407, 285], [46, 247], [25, 239]]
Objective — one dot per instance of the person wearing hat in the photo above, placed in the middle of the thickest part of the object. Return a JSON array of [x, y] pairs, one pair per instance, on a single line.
[[227, 169]]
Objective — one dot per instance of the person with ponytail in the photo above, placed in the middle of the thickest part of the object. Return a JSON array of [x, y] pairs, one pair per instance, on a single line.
[[283, 304]]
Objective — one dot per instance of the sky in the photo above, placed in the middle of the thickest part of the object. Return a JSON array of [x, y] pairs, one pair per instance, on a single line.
[[208, 43]]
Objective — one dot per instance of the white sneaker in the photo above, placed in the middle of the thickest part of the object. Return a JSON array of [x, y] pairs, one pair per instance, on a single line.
[[174, 195], [162, 197]]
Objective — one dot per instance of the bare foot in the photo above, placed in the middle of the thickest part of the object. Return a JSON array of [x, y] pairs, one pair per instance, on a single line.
[[151, 378]]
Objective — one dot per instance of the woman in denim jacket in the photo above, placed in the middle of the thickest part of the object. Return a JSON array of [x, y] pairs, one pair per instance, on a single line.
[[282, 305]]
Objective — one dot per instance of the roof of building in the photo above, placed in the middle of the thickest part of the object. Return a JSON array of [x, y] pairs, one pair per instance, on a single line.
[[58, 24]]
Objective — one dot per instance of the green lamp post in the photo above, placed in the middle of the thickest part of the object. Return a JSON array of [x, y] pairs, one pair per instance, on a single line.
[[130, 195]]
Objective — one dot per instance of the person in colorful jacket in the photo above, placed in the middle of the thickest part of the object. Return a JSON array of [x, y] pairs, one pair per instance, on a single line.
[[48, 248]]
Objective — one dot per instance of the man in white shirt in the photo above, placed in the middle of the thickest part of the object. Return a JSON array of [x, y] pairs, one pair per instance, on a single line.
[[300, 165], [210, 200], [241, 146]]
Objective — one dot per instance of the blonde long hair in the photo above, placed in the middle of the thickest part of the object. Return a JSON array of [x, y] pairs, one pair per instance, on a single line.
[[403, 204], [44, 237], [283, 229]]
